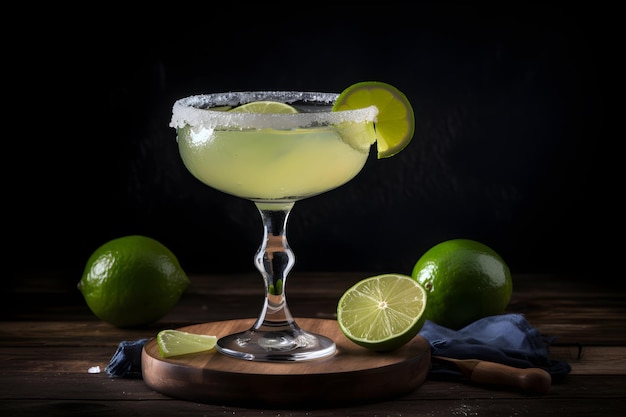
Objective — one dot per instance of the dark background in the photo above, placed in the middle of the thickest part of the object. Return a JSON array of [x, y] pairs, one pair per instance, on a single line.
[[511, 146]]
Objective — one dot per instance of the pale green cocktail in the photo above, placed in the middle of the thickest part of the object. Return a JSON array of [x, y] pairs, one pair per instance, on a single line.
[[270, 164], [274, 160]]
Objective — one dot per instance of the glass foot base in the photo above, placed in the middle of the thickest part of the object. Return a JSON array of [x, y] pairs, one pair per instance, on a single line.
[[276, 346]]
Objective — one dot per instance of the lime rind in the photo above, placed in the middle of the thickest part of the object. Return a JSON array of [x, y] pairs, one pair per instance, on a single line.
[[177, 343]]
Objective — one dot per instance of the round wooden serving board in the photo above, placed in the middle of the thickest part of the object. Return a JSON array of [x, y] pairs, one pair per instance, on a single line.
[[352, 375]]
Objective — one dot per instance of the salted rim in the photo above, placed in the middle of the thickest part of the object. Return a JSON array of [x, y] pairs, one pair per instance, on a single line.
[[192, 111]]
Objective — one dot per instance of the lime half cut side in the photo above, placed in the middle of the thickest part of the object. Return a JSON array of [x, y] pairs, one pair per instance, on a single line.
[[395, 123], [382, 312], [177, 342]]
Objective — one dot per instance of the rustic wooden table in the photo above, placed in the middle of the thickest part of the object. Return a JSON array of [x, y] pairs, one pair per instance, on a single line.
[[49, 340]]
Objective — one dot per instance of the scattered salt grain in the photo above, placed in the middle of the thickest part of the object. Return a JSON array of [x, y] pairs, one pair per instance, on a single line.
[[94, 370]]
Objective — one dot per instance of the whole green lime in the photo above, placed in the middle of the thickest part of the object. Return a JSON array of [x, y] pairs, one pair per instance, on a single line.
[[465, 280], [132, 281]]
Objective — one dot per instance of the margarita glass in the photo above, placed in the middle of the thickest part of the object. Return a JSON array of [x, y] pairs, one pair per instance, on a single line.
[[273, 156]]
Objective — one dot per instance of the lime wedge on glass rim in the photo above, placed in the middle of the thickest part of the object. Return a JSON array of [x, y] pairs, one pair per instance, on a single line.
[[176, 342], [395, 123], [383, 312]]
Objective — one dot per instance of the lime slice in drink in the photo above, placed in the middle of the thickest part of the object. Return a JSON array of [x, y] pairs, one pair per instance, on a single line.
[[265, 107], [383, 312], [176, 342], [395, 123], [220, 108]]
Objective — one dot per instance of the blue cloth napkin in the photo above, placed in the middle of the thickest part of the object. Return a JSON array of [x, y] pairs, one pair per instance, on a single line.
[[508, 339], [126, 361]]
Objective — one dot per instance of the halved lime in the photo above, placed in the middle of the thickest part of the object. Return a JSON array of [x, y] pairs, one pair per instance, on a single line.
[[395, 123], [266, 107], [382, 312], [177, 342]]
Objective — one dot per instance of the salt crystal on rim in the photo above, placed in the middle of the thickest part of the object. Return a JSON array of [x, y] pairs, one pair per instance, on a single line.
[[193, 111]]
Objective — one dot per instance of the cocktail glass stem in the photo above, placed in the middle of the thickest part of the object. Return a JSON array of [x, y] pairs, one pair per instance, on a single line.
[[275, 336], [274, 260]]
